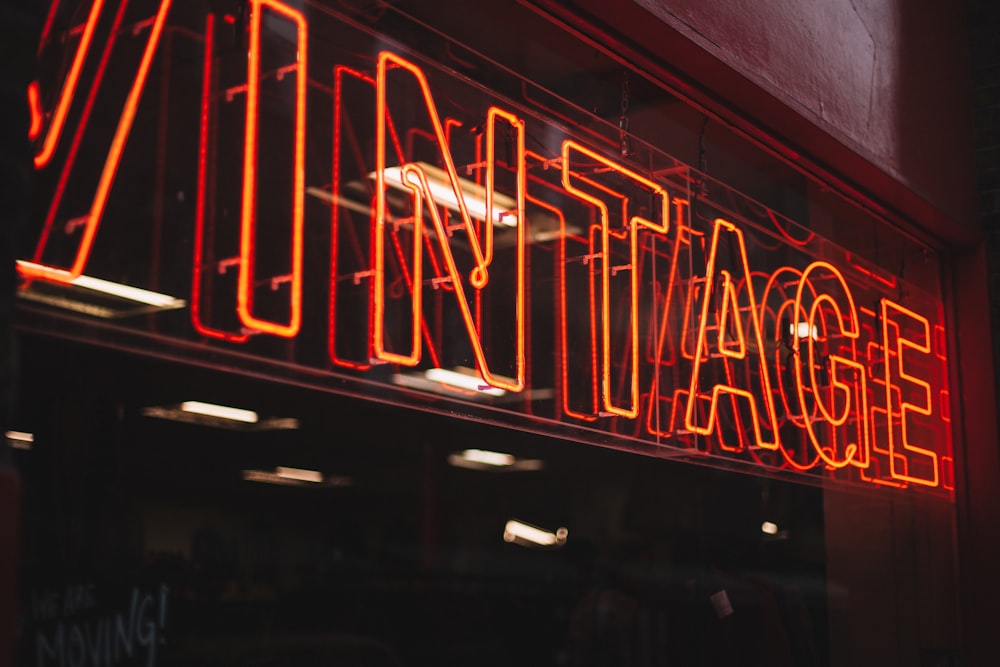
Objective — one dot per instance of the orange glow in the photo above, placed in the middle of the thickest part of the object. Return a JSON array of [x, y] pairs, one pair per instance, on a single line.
[[339, 72], [940, 344], [675, 424], [633, 223], [482, 250], [248, 220], [121, 136], [682, 236], [855, 453], [562, 343], [563, 346], [35, 109], [766, 396], [68, 92], [729, 320], [702, 351], [197, 319], [93, 219], [478, 277], [776, 291], [366, 258], [897, 371], [948, 473], [78, 135], [414, 179], [663, 352], [887, 280], [412, 279], [47, 26], [644, 337], [784, 232]]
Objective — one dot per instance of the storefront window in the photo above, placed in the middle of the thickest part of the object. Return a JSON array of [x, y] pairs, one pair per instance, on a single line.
[[456, 271]]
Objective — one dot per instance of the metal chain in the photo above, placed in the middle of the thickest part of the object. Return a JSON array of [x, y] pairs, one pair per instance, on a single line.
[[624, 142]]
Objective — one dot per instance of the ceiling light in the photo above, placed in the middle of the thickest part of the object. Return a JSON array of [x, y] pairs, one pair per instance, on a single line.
[[312, 476], [466, 383], [803, 330], [769, 528], [524, 534], [553, 234], [487, 457], [220, 416], [220, 411], [462, 378], [94, 296], [284, 476], [474, 195], [269, 477], [463, 382], [335, 200], [19, 439], [482, 459]]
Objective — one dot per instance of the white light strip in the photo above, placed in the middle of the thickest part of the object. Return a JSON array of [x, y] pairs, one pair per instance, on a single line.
[[487, 457], [517, 530], [504, 207], [220, 411], [282, 477], [269, 477], [460, 460], [802, 330], [330, 198], [117, 289], [299, 474], [19, 439], [462, 381]]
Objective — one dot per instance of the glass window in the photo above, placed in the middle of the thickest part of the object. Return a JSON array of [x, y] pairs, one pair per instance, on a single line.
[[413, 334]]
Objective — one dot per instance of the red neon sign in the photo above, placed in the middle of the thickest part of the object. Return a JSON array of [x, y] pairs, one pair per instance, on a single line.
[[92, 219], [57, 118], [907, 460], [853, 396], [633, 223], [727, 324], [249, 217], [415, 179], [576, 288]]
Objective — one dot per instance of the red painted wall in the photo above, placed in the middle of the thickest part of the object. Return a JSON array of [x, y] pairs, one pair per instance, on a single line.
[[831, 61], [874, 90]]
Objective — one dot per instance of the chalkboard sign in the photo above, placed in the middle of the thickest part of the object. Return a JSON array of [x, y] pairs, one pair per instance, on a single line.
[[90, 625]]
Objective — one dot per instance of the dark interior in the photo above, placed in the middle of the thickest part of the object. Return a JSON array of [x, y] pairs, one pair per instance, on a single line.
[[399, 557]]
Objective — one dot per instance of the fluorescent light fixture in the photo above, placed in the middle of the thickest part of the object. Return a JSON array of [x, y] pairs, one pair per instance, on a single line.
[[769, 528], [487, 457], [19, 439], [220, 411], [526, 534], [335, 200], [466, 383], [312, 476], [221, 416], [295, 477], [803, 330], [422, 383], [504, 206], [463, 379], [127, 292], [483, 459], [269, 477], [553, 234]]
